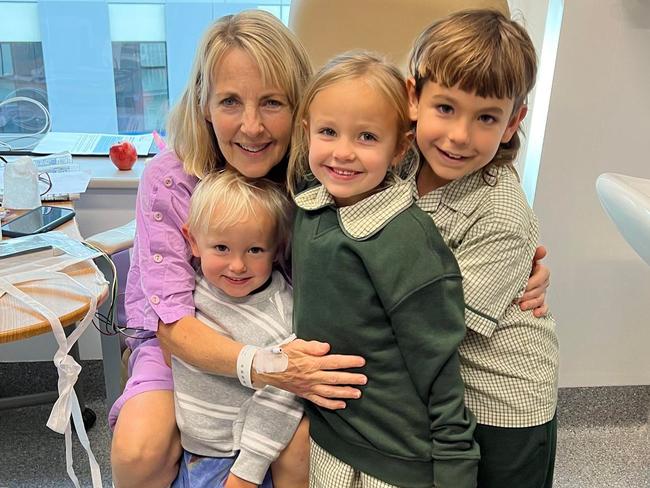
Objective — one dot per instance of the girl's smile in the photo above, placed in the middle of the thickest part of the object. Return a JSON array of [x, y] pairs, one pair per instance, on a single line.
[[345, 174]]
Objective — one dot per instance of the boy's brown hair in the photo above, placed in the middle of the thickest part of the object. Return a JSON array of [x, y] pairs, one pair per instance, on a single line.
[[481, 52]]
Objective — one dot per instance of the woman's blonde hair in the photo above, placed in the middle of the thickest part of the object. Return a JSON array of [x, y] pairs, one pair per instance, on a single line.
[[226, 198], [482, 52], [282, 62], [376, 72]]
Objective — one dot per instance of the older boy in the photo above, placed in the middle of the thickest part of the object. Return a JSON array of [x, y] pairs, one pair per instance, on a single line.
[[470, 75]]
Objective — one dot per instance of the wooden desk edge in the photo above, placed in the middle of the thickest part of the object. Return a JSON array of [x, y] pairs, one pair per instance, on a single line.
[[44, 327]]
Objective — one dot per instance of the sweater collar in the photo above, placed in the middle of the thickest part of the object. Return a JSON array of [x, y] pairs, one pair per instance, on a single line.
[[366, 217]]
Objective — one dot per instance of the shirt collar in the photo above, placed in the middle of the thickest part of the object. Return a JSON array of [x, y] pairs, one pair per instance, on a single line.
[[463, 195], [367, 217]]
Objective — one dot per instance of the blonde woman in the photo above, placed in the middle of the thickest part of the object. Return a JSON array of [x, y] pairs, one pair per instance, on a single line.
[[236, 112]]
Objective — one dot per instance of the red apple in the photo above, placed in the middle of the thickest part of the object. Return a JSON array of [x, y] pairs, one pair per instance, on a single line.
[[123, 155]]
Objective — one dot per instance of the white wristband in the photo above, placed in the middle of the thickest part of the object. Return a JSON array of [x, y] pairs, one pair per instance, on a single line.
[[244, 364]]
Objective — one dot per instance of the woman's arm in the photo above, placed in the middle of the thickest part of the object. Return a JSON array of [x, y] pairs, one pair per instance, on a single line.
[[535, 295], [161, 278], [199, 345], [311, 374]]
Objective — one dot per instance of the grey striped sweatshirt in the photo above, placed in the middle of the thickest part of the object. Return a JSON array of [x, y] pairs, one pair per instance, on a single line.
[[216, 415]]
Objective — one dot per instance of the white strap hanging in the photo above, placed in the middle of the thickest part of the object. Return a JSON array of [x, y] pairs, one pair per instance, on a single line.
[[67, 404]]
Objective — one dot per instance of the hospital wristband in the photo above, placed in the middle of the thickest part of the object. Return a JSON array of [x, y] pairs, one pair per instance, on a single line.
[[244, 365]]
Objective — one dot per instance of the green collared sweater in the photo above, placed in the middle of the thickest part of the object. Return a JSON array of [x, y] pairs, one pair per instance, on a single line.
[[395, 298]]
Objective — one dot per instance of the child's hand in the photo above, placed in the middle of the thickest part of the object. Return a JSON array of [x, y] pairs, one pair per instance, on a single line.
[[236, 482], [535, 294]]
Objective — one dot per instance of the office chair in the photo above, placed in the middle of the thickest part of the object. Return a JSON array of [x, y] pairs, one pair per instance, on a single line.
[[626, 200], [389, 27], [116, 243]]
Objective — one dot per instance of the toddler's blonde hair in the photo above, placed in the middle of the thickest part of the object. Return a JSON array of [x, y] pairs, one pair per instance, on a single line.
[[224, 199]]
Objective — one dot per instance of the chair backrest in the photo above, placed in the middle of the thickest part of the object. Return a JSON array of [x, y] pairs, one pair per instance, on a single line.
[[389, 27], [626, 200]]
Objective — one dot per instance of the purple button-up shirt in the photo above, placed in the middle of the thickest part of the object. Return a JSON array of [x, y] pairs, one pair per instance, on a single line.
[[161, 278]]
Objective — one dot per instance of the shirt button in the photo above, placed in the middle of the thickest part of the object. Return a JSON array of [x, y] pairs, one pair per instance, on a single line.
[[157, 216], [167, 182], [157, 258], [154, 299]]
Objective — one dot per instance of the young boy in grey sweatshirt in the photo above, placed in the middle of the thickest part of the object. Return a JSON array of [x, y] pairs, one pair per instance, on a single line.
[[239, 229]]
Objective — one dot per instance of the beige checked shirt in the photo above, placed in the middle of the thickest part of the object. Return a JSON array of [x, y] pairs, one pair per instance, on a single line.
[[509, 358]]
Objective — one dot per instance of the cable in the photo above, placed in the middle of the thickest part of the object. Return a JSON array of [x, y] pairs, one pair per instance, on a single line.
[[105, 323], [44, 130], [107, 319]]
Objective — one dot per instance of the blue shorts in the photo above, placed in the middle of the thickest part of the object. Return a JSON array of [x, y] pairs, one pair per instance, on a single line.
[[208, 472]]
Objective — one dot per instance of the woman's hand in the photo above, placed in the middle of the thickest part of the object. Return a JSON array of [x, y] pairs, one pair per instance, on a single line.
[[235, 482], [535, 294], [314, 375]]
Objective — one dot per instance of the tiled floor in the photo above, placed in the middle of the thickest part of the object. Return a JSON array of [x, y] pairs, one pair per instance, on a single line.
[[603, 439]]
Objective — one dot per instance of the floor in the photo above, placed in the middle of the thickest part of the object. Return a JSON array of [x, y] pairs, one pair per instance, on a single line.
[[603, 438]]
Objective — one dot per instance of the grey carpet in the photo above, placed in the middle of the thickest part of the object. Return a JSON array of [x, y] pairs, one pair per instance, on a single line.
[[603, 436]]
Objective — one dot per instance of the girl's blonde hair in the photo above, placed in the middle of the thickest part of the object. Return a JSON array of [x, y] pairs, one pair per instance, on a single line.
[[282, 62], [375, 71], [482, 52], [224, 199]]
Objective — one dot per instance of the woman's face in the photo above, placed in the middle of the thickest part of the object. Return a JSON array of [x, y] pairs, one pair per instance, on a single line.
[[251, 121]]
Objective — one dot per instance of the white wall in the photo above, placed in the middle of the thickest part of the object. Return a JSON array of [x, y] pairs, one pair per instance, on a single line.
[[599, 121], [532, 15]]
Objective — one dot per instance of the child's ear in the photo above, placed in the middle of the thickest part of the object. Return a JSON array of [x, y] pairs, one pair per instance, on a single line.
[[305, 127], [402, 147], [191, 240], [281, 256], [414, 102], [513, 123]]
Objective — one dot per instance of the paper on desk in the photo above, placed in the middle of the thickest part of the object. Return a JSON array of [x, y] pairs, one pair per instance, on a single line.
[[73, 182], [56, 163], [68, 181], [83, 143]]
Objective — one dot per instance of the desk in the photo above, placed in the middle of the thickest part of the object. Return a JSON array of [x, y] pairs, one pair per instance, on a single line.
[[18, 321], [103, 173]]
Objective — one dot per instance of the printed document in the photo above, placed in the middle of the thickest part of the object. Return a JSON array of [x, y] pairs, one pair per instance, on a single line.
[[84, 144]]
